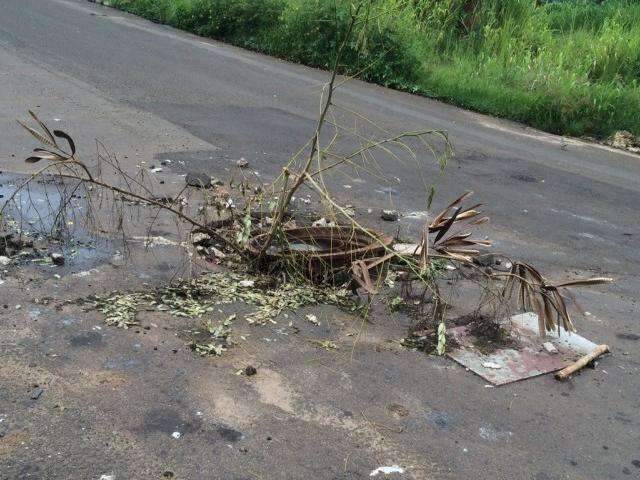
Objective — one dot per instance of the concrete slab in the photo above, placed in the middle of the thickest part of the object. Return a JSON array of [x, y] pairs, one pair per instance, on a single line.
[[529, 359]]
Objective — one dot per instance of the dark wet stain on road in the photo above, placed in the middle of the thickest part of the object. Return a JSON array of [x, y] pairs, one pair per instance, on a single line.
[[170, 422], [628, 336], [524, 178], [442, 420], [88, 339], [229, 434]]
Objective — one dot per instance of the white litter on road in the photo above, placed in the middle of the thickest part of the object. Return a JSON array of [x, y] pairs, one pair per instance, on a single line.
[[387, 470], [491, 365], [156, 241], [407, 248], [86, 273], [313, 319]]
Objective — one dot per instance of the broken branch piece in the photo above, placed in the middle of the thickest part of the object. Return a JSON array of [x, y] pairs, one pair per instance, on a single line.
[[582, 362]]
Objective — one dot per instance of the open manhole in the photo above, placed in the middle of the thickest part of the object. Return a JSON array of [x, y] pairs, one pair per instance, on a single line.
[[319, 250]]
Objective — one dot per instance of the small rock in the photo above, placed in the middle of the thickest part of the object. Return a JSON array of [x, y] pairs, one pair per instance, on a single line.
[[390, 215], [242, 163], [57, 258], [550, 347], [486, 260], [397, 410], [36, 393], [4, 261], [493, 261], [250, 370], [176, 435], [198, 180], [323, 222]]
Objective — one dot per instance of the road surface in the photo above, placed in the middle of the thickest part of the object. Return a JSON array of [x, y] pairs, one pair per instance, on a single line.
[[150, 92]]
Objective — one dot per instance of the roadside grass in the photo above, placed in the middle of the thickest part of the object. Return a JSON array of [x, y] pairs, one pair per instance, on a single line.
[[569, 67]]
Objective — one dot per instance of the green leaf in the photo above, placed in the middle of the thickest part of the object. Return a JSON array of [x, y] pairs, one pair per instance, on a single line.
[[442, 338]]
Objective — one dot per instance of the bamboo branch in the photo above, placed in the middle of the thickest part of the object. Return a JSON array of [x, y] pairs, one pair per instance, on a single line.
[[582, 362]]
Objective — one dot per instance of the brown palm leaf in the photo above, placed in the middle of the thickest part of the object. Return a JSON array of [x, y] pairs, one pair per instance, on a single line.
[[536, 294]]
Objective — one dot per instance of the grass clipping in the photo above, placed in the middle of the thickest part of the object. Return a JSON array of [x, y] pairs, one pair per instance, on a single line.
[[199, 297]]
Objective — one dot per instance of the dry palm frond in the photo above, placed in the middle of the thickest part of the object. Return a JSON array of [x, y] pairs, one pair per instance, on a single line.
[[361, 272], [536, 294], [47, 138], [457, 245]]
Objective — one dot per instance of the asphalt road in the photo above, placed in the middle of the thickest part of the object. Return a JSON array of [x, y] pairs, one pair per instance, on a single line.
[[151, 92]]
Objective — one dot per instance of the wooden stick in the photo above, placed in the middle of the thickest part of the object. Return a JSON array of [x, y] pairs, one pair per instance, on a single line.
[[582, 362]]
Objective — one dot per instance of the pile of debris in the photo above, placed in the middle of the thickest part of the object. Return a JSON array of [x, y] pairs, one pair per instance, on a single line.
[[17, 247], [625, 141], [277, 265]]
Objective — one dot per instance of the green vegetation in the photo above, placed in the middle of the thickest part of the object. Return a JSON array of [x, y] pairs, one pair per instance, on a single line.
[[569, 67]]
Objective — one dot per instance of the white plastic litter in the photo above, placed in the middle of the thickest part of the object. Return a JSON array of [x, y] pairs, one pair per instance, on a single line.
[[387, 470]]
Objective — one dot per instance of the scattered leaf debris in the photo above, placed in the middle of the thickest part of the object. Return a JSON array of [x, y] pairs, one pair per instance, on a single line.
[[326, 344], [199, 297]]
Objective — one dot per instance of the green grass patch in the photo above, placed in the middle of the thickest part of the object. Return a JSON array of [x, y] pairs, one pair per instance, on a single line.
[[568, 67]]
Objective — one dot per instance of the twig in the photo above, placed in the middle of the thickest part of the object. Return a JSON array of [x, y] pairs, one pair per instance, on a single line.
[[315, 142]]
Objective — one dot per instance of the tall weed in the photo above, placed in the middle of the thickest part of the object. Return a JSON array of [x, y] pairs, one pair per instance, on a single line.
[[569, 67]]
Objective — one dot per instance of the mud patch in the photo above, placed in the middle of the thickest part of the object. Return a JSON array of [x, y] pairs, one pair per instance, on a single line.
[[273, 390], [427, 341], [230, 409], [490, 335]]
